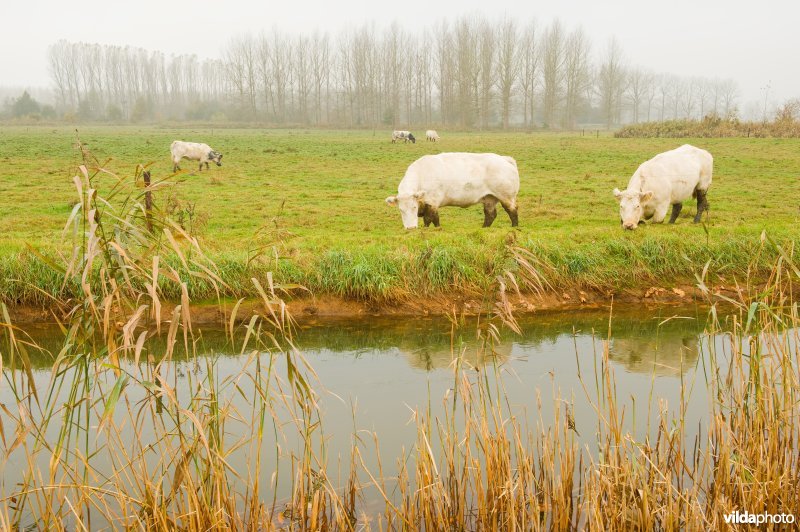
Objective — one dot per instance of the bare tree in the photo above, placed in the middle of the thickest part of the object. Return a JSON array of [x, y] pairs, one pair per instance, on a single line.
[[508, 65], [611, 83], [666, 84], [302, 76], [445, 71], [57, 59], [423, 79], [320, 72], [729, 94], [639, 92], [576, 75], [552, 47], [529, 75], [702, 89], [394, 63], [241, 71], [280, 50], [472, 72], [467, 71], [486, 63], [687, 97]]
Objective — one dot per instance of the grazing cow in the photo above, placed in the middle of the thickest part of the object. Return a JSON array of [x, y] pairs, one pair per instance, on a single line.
[[194, 151], [431, 135], [405, 136], [460, 180], [669, 178]]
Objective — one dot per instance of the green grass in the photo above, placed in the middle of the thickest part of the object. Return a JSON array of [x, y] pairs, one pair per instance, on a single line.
[[316, 200]]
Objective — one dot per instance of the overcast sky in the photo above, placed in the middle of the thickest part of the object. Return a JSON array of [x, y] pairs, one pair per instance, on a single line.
[[755, 43]]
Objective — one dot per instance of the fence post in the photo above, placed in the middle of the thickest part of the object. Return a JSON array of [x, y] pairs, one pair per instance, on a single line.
[[148, 200]]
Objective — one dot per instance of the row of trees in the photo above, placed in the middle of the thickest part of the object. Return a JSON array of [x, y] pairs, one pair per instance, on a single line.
[[470, 73], [115, 82]]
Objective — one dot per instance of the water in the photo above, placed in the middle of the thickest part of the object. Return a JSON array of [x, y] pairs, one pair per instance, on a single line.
[[372, 375]]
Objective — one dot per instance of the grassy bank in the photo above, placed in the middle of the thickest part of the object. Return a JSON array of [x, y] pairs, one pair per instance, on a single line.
[[308, 206]]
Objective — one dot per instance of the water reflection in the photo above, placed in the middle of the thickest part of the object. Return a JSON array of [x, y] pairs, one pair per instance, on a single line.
[[665, 355], [655, 343]]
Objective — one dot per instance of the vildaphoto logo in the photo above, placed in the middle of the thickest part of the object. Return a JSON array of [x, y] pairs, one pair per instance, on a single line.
[[743, 518]]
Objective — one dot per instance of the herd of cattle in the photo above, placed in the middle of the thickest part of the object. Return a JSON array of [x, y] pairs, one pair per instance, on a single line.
[[465, 179], [430, 135]]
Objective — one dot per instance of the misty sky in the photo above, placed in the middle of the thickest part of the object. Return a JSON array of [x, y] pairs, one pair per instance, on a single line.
[[752, 42]]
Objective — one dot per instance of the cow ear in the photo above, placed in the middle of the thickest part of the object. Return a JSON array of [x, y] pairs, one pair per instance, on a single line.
[[645, 196], [220, 156], [391, 200], [617, 194]]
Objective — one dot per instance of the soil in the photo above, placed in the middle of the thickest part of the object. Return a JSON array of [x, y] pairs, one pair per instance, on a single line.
[[313, 308]]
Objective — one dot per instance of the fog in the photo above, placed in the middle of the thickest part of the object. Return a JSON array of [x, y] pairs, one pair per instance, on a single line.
[[754, 44]]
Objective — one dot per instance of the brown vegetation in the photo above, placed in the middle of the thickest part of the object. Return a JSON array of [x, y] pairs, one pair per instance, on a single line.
[[785, 125]]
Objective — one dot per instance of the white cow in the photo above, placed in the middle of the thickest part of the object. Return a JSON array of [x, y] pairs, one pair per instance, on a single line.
[[669, 178], [460, 180], [431, 135], [405, 136], [194, 151]]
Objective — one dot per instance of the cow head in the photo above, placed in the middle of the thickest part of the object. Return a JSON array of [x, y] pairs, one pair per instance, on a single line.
[[215, 156], [409, 208], [412, 139], [631, 206]]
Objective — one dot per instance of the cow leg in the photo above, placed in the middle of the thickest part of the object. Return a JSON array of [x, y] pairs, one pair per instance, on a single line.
[[702, 204], [660, 214], [676, 210], [433, 214], [511, 210], [175, 167], [489, 211], [424, 213], [206, 165]]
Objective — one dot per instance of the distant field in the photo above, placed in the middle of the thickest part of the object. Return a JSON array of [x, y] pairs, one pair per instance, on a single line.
[[318, 197]]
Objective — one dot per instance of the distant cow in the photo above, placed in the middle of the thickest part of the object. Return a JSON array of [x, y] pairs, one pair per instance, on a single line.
[[460, 180], [194, 151], [431, 135], [669, 178], [405, 136]]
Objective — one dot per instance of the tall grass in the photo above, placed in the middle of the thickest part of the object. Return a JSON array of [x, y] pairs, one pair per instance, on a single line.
[[478, 465], [381, 275]]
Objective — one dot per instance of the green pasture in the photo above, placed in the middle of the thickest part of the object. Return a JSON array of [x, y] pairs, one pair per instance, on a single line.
[[309, 206]]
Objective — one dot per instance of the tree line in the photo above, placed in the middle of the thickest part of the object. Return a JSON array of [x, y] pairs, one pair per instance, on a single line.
[[468, 73]]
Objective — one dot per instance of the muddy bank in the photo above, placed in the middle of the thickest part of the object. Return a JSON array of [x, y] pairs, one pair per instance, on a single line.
[[308, 308]]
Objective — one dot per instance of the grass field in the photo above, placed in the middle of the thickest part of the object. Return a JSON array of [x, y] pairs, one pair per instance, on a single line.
[[316, 200]]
